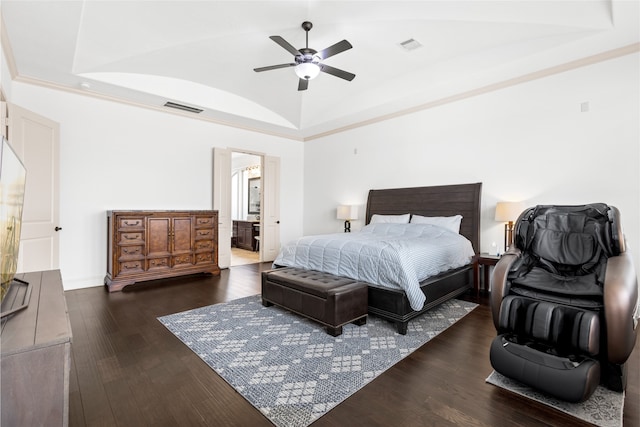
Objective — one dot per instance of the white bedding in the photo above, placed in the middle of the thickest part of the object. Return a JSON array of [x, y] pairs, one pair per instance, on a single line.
[[391, 255]]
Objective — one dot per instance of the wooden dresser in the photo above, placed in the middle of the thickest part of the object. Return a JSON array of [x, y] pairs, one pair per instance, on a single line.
[[36, 356], [149, 245]]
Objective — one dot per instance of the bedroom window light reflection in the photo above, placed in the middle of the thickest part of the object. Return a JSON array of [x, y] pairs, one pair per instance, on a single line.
[[348, 213]]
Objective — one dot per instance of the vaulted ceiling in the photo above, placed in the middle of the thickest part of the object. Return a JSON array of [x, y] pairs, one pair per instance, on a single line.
[[202, 53]]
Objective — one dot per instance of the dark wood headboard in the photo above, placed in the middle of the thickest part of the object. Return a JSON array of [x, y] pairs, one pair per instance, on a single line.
[[441, 200]]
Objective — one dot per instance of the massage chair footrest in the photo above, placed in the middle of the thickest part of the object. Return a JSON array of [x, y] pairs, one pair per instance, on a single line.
[[555, 375]]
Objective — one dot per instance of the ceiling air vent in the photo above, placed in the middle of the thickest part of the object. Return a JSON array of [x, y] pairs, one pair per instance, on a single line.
[[410, 44], [183, 107]]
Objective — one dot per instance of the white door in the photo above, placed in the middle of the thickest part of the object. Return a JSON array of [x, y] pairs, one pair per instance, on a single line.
[[36, 140], [222, 203], [270, 218]]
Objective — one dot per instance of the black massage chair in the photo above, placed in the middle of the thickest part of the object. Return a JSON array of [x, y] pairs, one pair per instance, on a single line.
[[564, 301]]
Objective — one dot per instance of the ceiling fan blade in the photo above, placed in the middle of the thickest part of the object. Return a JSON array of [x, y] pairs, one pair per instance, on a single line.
[[303, 84], [273, 67], [286, 45], [337, 72], [335, 49]]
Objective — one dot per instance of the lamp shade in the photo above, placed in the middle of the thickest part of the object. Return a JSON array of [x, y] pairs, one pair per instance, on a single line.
[[508, 211], [307, 70], [347, 212]]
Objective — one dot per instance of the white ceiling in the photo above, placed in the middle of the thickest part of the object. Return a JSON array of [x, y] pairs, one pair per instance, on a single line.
[[202, 53]]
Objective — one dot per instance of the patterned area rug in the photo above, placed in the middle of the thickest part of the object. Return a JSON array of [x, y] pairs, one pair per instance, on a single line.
[[288, 367], [604, 408]]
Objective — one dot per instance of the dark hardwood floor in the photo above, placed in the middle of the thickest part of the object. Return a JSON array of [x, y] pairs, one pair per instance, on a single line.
[[128, 370]]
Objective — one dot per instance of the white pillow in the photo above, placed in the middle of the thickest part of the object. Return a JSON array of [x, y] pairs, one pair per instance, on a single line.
[[449, 222], [390, 219]]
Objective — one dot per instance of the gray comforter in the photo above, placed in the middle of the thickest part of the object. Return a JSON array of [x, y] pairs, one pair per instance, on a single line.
[[391, 255]]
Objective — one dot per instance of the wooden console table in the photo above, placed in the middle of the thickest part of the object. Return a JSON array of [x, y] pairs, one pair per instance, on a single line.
[[36, 356]]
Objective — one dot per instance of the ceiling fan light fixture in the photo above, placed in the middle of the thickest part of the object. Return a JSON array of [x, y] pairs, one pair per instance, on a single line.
[[307, 70]]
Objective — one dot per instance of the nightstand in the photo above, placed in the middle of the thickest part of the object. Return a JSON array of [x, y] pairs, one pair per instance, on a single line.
[[483, 261]]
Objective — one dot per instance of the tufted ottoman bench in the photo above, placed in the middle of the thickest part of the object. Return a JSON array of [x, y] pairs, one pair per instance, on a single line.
[[331, 300]]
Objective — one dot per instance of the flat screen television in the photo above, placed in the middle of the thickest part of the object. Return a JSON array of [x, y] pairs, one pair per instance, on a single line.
[[13, 176]]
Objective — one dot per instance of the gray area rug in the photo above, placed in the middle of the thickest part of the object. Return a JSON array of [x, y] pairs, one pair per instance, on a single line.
[[604, 408], [288, 367]]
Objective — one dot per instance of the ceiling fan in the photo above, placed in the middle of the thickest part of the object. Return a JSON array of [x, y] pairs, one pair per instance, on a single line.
[[307, 61]]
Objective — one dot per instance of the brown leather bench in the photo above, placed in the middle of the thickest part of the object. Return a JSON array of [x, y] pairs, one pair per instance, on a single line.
[[331, 300]]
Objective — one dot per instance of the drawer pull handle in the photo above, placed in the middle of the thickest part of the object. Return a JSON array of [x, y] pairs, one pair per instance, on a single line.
[[132, 266], [131, 224], [130, 238]]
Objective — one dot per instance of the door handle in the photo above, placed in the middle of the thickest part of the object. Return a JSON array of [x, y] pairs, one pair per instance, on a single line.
[[58, 228]]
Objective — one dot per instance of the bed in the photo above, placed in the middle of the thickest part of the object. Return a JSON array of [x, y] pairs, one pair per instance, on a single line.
[[395, 304]]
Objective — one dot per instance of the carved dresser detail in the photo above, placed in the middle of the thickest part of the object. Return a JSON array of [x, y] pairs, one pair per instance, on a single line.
[[149, 245]]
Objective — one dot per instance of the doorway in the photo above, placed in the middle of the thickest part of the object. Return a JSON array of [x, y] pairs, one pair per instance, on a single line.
[[269, 246], [246, 204]]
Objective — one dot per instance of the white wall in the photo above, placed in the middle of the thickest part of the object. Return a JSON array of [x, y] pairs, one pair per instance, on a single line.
[[5, 75], [528, 142], [120, 157], [115, 156]]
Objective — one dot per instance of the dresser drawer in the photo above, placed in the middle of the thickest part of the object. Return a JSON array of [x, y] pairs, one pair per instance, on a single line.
[[183, 260], [128, 267], [131, 237], [204, 233], [204, 245], [205, 221], [129, 223], [204, 257], [130, 252], [157, 263]]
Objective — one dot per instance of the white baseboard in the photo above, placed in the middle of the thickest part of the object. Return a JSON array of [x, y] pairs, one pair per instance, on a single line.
[[81, 283]]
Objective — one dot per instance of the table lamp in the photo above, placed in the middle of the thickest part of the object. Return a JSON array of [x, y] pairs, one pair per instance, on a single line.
[[508, 212], [348, 213]]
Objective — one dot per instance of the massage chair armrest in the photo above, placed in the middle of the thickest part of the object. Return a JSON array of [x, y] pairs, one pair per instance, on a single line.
[[499, 284], [620, 306]]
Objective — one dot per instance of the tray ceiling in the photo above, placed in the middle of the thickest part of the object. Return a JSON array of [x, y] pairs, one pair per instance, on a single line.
[[202, 53]]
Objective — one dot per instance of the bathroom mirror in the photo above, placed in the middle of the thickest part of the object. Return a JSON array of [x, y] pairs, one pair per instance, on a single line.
[[254, 195]]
